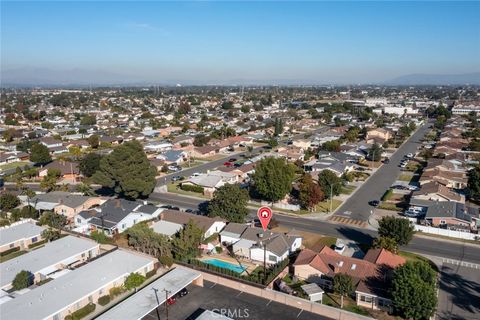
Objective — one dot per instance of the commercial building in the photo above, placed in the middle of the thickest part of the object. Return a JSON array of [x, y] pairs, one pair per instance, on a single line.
[[74, 290]]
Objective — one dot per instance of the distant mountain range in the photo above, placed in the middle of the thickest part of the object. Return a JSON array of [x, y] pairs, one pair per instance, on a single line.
[[27, 77], [437, 79]]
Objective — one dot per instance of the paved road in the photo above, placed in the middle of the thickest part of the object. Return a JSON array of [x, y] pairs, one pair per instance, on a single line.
[[214, 164], [356, 206], [422, 245], [459, 293], [231, 303]]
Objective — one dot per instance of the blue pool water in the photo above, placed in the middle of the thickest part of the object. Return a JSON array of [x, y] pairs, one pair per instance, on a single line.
[[226, 265]]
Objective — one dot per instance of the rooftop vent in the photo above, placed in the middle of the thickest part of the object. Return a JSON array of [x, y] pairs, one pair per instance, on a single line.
[[354, 266]]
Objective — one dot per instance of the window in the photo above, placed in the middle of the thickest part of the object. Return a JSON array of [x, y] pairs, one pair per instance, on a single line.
[[366, 299], [124, 226], [79, 220], [12, 245], [272, 258], [34, 239]]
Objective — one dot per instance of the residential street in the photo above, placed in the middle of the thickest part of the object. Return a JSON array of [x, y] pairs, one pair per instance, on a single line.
[[422, 245], [357, 207]]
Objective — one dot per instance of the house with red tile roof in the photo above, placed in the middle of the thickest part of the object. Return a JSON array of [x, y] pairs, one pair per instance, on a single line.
[[371, 275]]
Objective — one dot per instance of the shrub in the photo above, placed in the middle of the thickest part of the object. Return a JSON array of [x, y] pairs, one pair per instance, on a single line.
[[22, 280], [115, 291], [134, 280], [166, 261], [7, 252], [150, 274], [100, 237], [82, 312], [104, 300], [219, 249], [192, 188], [36, 244]]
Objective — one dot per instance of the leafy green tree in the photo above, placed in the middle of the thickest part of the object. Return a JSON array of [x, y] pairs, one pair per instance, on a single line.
[[273, 143], [310, 193], [50, 234], [200, 140], [52, 219], [398, 229], [144, 239], [88, 120], [414, 293], [39, 153], [134, 280], [332, 146], [352, 134], [85, 189], [229, 202], [49, 181], [22, 280], [273, 178], [342, 285], [90, 164], [93, 141], [386, 243], [187, 241], [474, 182], [375, 152], [278, 127], [329, 183], [8, 201], [127, 171]]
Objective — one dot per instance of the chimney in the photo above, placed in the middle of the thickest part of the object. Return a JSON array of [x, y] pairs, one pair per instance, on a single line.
[[117, 203]]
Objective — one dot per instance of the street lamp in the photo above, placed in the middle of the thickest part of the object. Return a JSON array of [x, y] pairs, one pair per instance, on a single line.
[[166, 301], [331, 195], [158, 302]]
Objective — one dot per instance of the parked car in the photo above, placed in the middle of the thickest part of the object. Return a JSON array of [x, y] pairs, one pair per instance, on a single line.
[[174, 168], [413, 188], [232, 159], [177, 178], [183, 292], [189, 210], [374, 203], [386, 161], [237, 164], [228, 164], [171, 300], [409, 155], [175, 208]]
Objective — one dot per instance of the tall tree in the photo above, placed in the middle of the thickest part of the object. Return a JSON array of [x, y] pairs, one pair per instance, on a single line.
[[474, 182], [399, 229], [8, 201], [93, 141], [229, 202], [90, 164], [330, 184], [49, 182], [414, 293], [53, 220], [39, 154], [273, 178], [375, 152], [386, 243], [342, 285], [310, 193], [186, 243], [127, 171]]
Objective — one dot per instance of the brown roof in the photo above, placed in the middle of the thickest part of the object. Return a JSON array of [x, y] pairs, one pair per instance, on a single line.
[[65, 167], [433, 187], [181, 217], [205, 149], [385, 257]]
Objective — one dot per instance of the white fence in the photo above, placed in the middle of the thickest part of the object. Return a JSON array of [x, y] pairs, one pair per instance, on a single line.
[[280, 205], [447, 233]]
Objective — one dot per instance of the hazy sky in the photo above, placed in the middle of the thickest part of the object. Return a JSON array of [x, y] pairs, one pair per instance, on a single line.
[[222, 41]]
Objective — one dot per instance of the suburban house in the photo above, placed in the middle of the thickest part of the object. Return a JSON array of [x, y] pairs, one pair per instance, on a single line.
[[54, 256], [378, 135], [435, 191], [20, 234], [115, 216], [172, 221], [51, 143], [204, 151], [157, 147], [451, 215], [212, 181], [251, 242], [173, 156], [64, 203], [328, 163], [243, 172], [450, 179], [68, 170], [9, 157], [370, 275], [56, 299]]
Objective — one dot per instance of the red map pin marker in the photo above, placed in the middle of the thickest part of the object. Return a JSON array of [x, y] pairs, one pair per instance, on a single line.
[[264, 214]]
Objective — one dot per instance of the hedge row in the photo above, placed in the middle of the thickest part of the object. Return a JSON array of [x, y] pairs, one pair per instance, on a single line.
[[36, 244], [104, 300], [192, 188], [7, 252], [82, 312]]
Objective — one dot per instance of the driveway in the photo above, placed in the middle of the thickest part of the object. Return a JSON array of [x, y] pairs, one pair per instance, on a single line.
[[357, 207], [459, 292]]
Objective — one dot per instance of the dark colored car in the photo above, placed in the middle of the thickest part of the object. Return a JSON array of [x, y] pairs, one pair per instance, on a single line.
[[183, 292], [374, 203], [175, 208], [189, 210], [232, 159], [167, 206], [176, 178], [386, 161]]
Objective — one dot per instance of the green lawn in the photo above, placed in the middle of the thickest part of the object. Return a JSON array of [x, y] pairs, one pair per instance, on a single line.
[[405, 177], [410, 256], [347, 189], [13, 165], [12, 255], [324, 206], [174, 188]]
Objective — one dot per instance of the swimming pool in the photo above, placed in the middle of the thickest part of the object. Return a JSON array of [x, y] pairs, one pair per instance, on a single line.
[[226, 265]]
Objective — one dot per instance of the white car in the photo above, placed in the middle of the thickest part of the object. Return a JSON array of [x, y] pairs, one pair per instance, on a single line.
[[413, 188], [410, 155]]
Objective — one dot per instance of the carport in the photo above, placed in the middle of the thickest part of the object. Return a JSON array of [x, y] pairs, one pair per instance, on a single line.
[[145, 301]]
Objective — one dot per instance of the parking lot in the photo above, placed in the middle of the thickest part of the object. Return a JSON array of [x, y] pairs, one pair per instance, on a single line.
[[232, 303], [459, 293]]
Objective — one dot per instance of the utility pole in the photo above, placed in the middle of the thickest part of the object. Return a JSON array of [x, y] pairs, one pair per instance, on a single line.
[[331, 197], [166, 301], [263, 243], [158, 302]]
